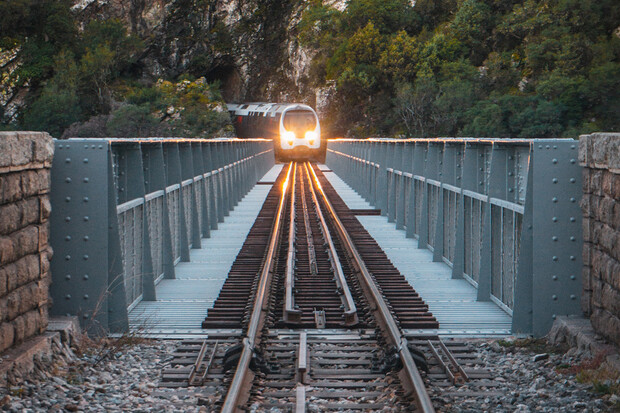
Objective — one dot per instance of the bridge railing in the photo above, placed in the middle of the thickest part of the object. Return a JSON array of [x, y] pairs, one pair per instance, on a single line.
[[503, 214], [125, 211]]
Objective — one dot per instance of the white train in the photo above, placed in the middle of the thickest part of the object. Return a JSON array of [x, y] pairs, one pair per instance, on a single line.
[[293, 127]]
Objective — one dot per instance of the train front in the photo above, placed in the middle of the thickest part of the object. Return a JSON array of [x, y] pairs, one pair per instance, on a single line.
[[300, 132]]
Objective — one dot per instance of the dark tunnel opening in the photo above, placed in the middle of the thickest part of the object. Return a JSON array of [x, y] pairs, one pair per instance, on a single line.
[[232, 85]]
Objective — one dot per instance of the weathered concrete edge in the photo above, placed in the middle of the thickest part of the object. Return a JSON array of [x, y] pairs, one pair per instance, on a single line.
[[600, 151], [578, 333], [19, 361]]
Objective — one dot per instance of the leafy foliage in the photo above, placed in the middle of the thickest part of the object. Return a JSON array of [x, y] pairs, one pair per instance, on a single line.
[[497, 68], [85, 82]]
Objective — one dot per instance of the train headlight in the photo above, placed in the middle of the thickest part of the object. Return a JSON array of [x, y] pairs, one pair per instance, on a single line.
[[311, 136], [288, 137]]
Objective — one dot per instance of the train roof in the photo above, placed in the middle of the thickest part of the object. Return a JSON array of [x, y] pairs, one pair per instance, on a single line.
[[264, 108]]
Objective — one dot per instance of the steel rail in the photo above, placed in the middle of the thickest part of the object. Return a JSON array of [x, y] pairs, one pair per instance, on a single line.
[[309, 238], [291, 314], [244, 375], [412, 380], [350, 313]]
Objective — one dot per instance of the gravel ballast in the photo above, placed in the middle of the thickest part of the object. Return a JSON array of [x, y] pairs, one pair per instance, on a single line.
[[127, 379]]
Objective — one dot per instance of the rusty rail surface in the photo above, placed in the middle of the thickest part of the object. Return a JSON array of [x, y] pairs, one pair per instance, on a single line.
[[350, 313], [409, 375], [291, 314], [242, 379]]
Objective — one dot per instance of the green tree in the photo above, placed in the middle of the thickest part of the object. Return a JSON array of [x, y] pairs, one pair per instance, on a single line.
[[41, 29], [415, 106], [400, 57], [388, 16], [58, 104], [485, 120], [130, 121]]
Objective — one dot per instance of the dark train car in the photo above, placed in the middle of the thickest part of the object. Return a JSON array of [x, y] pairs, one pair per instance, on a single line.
[[293, 127]]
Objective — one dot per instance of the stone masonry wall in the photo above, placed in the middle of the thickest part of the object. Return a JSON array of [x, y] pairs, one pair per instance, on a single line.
[[25, 161], [599, 154]]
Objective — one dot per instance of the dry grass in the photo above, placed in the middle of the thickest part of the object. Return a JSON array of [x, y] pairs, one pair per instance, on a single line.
[[603, 378]]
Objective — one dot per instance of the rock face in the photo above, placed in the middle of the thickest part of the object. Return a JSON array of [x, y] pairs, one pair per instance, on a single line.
[[251, 47]]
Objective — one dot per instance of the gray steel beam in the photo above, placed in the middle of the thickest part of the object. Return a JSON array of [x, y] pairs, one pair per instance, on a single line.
[[512, 234], [145, 185]]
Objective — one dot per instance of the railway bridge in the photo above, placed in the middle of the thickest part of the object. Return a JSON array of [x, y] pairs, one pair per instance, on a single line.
[[351, 284], [484, 229]]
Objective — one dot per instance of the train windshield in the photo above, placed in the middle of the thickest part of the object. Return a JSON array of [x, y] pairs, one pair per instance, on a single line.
[[299, 121]]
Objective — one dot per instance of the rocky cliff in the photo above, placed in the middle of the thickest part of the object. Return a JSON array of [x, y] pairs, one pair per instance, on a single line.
[[250, 46]]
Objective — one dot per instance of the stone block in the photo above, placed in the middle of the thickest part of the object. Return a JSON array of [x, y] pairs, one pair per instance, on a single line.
[[30, 211], [29, 297], [44, 179], [607, 183], [44, 260], [600, 145], [22, 300], [4, 281], [585, 227], [605, 211], [16, 149], [596, 181], [43, 318], [43, 150], [28, 269], [586, 277], [605, 267], [12, 280], [596, 233], [26, 241], [30, 183], [595, 205], [10, 187], [32, 323], [615, 186], [22, 150], [586, 253], [586, 298], [613, 272], [4, 309], [611, 300], [585, 149], [585, 179], [45, 208], [6, 146], [584, 203], [12, 304], [7, 250], [20, 329], [10, 218], [598, 259], [606, 324], [7, 335], [42, 291], [44, 235], [597, 293]]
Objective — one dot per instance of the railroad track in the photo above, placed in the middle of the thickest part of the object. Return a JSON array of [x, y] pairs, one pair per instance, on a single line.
[[321, 310]]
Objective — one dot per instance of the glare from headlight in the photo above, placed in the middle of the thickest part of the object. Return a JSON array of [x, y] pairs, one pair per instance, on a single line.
[[311, 136], [289, 137]]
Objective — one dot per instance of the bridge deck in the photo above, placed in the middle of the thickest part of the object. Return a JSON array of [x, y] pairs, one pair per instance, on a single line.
[[182, 303], [452, 301]]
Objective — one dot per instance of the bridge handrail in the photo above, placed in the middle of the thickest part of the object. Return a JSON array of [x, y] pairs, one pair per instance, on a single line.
[[503, 213], [132, 208]]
